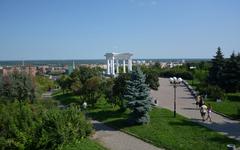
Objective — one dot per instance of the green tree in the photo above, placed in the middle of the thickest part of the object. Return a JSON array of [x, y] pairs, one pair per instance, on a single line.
[[216, 70], [107, 88], [231, 81], [152, 80], [76, 87], [119, 87], [137, 94], [64, 82], [92, 89]]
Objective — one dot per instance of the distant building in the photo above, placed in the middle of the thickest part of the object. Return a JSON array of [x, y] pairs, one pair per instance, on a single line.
[[5, 71]]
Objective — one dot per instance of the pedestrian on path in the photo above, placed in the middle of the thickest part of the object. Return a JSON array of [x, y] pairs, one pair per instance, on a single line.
[[201, 102], [197, 100], [209, 111], [203, 111]]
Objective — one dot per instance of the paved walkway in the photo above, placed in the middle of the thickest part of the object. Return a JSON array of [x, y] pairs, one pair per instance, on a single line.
[[117, 140], [186, 107], [47, 95]]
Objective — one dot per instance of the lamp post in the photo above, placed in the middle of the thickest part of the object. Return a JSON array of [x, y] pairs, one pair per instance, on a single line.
[[175, 81], [192, 70]]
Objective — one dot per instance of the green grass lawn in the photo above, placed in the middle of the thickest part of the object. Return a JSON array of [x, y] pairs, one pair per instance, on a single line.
[[193, 83], [229, 108], [67, 98], [83, 144], [165, 131]]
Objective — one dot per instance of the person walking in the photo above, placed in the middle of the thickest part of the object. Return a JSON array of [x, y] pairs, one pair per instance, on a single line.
[[201, 102], [197, 100], [203, 111], [209, 111]]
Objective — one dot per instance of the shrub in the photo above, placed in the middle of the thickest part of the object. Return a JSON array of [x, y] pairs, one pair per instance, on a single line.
[[214, 92], [177, 73], [61, 126], [233, 96], [36, 127]]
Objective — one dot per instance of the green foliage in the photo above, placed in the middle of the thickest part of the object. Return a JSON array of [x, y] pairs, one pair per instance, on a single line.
[[216, 70], [64, 82], [233, 97], [17, 86], [200, 75], [76, 87], [61, 126], [212, 91], [17, 129], [92, 89], [137, 94], [152, 80], [231, 74], [84, 73], [227, 107], [86, 83], [177, 72], [44, 83], [119, 87], [107, 88], [40, 126]]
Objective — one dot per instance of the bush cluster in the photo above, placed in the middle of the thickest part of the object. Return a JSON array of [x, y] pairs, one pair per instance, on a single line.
[[36, 127], [176, 73]]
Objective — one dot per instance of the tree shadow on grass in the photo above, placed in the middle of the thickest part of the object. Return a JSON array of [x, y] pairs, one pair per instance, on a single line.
[[68, 98], [115, 118], [224, 140], [191, 108], [184, 123]]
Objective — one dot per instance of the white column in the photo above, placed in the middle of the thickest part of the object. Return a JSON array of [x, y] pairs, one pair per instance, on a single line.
[[113, 66], [108, 66], [111, 62], [124, 68], [129, 65], [117, 69]]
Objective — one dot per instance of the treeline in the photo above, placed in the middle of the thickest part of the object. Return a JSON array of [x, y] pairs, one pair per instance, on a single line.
[[91, 85], [213, 78], [225, 72]]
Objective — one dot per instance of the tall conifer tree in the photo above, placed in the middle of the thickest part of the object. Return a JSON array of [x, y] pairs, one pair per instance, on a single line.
[[216, 70], [137, 94], [231, 79]]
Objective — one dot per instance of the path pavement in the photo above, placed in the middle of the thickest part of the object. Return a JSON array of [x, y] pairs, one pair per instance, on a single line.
[[47, 95], [186, 107], [117, 140]]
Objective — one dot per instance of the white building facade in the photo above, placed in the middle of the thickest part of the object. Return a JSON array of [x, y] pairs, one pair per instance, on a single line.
[[114, 61]]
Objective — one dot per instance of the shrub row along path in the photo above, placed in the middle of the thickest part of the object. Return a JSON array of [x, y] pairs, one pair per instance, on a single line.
[[117, 140], [186, 107]]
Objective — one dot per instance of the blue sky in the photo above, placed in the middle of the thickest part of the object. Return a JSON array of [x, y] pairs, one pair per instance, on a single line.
[[87, 29]]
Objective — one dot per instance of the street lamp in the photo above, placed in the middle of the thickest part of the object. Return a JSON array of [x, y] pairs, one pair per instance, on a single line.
[[192, 70], [175, 81]]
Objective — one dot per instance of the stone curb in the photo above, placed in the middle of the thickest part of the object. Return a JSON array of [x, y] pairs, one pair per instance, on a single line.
[[226, 116], [134, 135], [145, 140]]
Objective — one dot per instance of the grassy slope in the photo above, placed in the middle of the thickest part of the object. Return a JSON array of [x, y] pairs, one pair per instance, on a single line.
[[229, 108], [67, 98], [84, 144], [166, 131]]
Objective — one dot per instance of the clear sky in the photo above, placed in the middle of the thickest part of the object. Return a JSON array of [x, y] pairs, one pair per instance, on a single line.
[[87, 29]]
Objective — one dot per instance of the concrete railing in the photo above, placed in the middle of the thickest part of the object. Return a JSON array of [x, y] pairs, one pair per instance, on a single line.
[[190, 88]]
